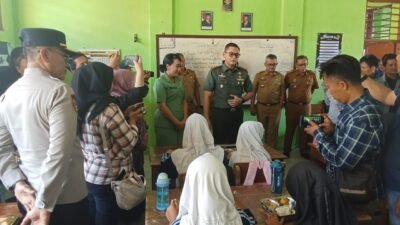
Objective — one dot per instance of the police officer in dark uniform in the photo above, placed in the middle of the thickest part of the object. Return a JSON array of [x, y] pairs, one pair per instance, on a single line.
[[229, 86], [300, 84]]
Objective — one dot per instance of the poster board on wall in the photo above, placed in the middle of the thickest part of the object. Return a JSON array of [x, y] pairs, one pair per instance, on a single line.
[[328, 46]]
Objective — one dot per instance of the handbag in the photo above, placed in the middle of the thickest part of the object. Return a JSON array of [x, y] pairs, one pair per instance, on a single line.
[[358, 185], [130, 191]]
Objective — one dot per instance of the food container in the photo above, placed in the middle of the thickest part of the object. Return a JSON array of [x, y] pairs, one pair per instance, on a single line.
[[283, 206]]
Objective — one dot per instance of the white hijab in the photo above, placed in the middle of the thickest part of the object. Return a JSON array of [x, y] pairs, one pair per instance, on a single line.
[[197, 140], [206, 196], [249, 145]]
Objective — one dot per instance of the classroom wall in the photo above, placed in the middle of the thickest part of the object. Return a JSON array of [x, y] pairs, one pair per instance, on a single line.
[[8, 32], [112, 24]]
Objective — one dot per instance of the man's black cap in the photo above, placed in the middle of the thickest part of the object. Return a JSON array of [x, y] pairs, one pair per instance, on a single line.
[[32, 37]]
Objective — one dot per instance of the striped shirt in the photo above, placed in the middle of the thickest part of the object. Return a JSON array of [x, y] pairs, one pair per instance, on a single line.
[[358, 135], [103, 165]]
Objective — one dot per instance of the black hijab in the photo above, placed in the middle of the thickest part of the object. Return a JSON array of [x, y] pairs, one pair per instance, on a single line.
[[318, 200], [92, 84]]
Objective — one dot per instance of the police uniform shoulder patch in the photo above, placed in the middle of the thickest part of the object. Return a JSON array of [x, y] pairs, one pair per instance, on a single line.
[[74, 103]]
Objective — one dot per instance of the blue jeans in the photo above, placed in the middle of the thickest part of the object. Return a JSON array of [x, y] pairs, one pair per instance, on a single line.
[[393, 197], [102, 205]]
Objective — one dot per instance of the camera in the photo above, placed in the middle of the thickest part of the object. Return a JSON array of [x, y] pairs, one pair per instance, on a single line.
[[315, 118]]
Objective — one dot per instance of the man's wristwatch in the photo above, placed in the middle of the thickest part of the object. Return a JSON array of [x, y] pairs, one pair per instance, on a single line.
[[363, 78]]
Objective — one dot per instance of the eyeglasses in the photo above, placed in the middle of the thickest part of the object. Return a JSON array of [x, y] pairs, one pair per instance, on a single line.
[[231, 54]]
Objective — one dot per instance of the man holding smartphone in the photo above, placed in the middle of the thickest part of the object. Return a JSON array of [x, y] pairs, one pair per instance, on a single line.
[[358, 135]]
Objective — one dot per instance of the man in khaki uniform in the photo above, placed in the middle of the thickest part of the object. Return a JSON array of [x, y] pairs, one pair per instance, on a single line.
[[191, 85], [270, 89], [300, 84]]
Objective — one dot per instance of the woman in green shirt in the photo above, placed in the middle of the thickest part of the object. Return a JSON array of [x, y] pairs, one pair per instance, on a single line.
[[171, 113]]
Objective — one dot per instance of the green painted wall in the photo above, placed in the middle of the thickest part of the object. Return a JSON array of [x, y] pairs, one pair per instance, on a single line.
[[112, 24], [8, 32]]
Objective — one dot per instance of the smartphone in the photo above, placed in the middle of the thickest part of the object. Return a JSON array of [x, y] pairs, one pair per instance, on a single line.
[[318, 119], [139, 105], [130, 59]]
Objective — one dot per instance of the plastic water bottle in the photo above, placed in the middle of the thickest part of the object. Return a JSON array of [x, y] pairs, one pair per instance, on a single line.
[[162, 192], [277, 170]]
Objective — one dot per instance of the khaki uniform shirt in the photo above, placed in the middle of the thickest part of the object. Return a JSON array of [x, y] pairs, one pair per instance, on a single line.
[[270, 87], [223, 82], [37, 115], [300, 86], [191, 84]]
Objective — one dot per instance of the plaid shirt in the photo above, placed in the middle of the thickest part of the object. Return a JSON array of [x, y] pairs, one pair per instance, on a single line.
[[103, 166], [358, 136]]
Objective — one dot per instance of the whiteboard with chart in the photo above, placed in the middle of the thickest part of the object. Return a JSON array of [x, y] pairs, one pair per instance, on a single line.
[[205, 52]]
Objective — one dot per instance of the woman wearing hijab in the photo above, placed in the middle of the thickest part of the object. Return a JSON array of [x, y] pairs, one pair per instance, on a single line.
[[197, 140], [318, 199], [172, 109], [124, 82], [107, 138], [206, 197], [129, 88], [250, 148]]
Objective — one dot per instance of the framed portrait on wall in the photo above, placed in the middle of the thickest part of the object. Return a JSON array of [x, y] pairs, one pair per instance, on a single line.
[[227, 5], [246, 22], [207, 20]]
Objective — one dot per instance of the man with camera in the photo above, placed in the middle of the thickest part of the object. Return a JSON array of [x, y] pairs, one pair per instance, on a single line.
[[357, 137]]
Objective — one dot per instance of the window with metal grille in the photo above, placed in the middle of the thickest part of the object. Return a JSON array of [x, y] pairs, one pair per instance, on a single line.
[[382, 20]]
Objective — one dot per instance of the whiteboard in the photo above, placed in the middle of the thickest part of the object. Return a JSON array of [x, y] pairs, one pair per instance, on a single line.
[[203, 52]]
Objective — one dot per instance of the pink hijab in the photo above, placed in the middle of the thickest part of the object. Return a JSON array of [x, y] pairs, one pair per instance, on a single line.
[[122, 82]]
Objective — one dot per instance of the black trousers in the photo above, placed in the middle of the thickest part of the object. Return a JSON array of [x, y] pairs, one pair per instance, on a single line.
[[67, 214], [226, 123]]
